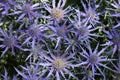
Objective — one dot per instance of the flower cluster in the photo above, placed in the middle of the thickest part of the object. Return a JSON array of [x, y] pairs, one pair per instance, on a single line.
[[59, 39]]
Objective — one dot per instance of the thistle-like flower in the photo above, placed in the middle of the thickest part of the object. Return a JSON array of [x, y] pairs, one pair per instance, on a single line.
[[60, 31], [72, 42], [9, 41], [90, 13], [83, 30], [26, 9], [31, 72], [34, 34], [114, 39], [58, 63], [94, 60], [6, 4], [58, 12]]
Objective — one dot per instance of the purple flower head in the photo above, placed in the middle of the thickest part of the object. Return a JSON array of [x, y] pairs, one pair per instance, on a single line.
[[9, 40], [94, 60], [60, 31], [34, 34], [90, 13], [72, 43], [26, 9], [114, 39], [6, 4], [58, 63], [83, 30], [31, 72], [58, 11]]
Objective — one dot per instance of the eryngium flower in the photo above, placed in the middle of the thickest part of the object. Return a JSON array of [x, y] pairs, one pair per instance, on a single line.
[[26, 9], [60, 31], [6, 4], [83, 30], [58, 64], [58, 12], [34, 34], [114, 39], [90, 13], [94, 60], [31, 72], [72, 42], [9, 41]]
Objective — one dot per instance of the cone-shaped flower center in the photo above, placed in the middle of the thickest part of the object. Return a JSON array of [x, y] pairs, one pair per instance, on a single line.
[[57, 13], [34, 32], [116, 39], [26, 8], [93, 59], [91, 14], [61, 31], [83, 32], [115, 36], [9, 41], [59, 63]]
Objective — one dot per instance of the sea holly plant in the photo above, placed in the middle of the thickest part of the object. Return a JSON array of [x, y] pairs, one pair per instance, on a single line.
[[9, 41], [5, 5], [94, 60], [59, 39], [59, 12], [59, 31], [90, 13], [59, 64], [35, 34], [30, 72], [83, 30], [114, 40], [26, 9]]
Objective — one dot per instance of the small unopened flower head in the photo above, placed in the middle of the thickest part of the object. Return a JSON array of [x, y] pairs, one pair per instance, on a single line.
[[60, 31]]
